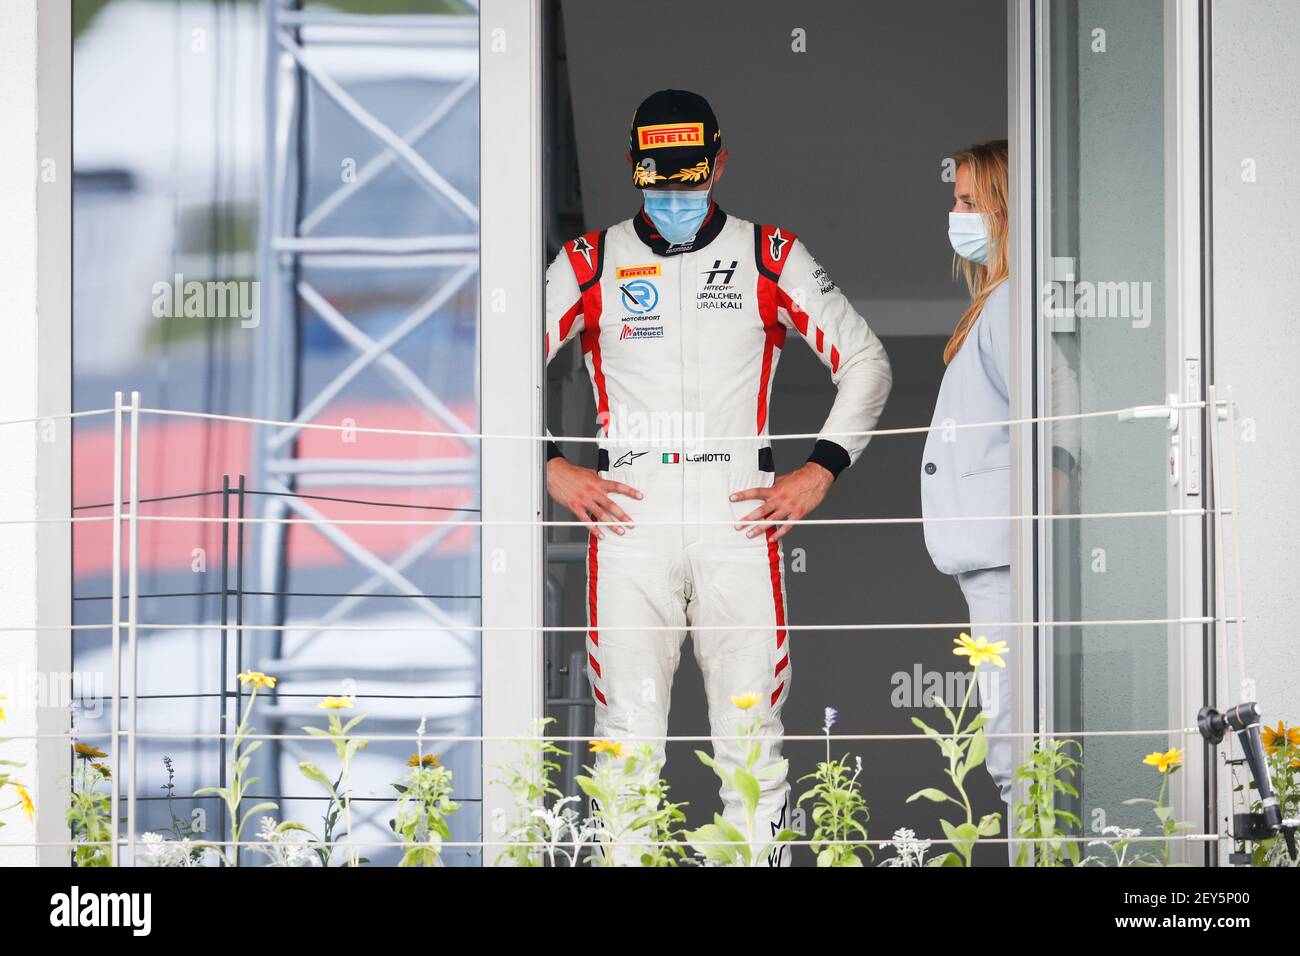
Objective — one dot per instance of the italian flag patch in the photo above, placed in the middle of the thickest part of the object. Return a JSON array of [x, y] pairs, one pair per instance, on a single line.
[[671, 458]]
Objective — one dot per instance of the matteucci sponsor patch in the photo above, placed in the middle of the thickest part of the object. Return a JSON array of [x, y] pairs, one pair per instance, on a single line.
[[670, 134], [641, 332], [638, 272]]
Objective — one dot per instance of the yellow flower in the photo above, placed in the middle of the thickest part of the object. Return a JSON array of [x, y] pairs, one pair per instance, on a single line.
[[611, 747], [25, 798], [980, 650], [103, 770], [257, 679], [746, 701], [2, 710], [1284, 736], [88, 751], [428, 760], [1164, 762], [337, 703]]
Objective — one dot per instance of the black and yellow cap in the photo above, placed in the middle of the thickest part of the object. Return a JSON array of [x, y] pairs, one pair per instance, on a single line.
[[674, 139]]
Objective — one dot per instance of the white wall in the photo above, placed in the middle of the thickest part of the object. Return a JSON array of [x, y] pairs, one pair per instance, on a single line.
[[1256, 125], [18, 391], [35, 380]]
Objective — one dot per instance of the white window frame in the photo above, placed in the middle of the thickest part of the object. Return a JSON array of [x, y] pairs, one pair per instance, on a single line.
[[511, 383], [51, 575]]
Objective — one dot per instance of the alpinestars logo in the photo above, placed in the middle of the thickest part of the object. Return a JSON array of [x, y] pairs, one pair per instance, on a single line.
[[629, 458], [777, 854], [777, 244], [583, 246]]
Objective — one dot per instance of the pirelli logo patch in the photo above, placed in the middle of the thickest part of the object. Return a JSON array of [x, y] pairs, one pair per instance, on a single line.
[[638, 272], [670, 134]]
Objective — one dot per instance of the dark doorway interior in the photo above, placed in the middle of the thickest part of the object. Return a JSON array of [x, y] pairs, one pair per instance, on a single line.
[[842, 143]]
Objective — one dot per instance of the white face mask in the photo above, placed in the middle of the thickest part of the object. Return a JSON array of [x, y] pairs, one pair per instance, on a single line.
[[969, 236]]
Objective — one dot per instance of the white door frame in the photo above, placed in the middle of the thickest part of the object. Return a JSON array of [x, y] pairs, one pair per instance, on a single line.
[[511, 380], [1185, 268], [1024, 283], [1028, 122]]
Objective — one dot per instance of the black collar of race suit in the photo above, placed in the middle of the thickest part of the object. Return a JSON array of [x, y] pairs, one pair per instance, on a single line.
[[709, 229]]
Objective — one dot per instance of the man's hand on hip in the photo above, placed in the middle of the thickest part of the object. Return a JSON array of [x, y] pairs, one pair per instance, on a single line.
[[586, 494], [790, 498]]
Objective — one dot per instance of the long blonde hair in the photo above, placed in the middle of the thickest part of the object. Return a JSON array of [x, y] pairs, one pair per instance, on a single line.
[[988, 166]]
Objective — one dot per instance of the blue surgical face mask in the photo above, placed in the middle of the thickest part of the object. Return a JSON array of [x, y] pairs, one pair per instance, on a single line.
[[676, 213], [969, 236]]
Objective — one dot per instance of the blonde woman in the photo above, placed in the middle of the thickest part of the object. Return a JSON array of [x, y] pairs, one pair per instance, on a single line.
[[966, 472]]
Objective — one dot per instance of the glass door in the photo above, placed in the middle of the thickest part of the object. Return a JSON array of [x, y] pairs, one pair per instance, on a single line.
[[1116, 330]]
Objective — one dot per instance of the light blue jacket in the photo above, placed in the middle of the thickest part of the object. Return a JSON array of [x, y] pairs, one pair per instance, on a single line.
[[967, 471]]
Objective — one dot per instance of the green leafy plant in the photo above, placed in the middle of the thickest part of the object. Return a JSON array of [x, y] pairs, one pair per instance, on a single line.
[[1048, 771], [1282, 753], [720, 843], [532, 836], [633, 821], [1122, 850], [422, 810], [177, 848], [22, 797], [284, 844], [965, 748], [839, 813], [1118, 847], [89, 817], [160, 850], [180, 828], [232, 795], [558, 832], [337, 789], [1168, 764]]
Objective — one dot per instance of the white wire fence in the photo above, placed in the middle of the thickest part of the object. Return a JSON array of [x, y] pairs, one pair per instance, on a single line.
[[125, 513]]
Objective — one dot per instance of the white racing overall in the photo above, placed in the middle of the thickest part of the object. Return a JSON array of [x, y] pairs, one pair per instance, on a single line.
[[681, 344]]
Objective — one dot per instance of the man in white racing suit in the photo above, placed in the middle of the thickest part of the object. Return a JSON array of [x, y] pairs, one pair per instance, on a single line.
[[682, 313]]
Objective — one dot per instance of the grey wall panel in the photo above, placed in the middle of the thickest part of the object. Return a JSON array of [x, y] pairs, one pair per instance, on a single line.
[[842, 144], [1256, 333]]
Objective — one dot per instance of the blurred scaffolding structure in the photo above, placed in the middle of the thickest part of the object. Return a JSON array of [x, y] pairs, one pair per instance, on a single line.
[[342, 145]]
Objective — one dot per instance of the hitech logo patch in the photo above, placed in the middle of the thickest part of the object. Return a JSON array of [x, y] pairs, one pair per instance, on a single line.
[[670, 134]]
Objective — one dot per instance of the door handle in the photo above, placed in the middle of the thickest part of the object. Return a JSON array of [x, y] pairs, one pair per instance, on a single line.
[[1169, 414], [1166, 413]]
